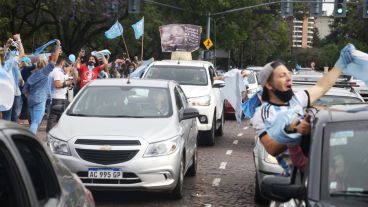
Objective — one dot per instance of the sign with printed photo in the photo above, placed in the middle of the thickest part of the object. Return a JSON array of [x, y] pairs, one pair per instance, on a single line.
[[180, 37]]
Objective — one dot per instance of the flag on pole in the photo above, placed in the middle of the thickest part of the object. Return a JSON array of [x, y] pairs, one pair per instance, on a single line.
[[138, 28], [115, 30]]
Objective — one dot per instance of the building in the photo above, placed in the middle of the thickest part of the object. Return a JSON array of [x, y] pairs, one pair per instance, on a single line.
[[303, 32]]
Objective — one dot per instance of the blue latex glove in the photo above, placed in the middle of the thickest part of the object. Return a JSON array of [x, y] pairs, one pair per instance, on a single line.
[[358, 66], [276, 128], [345, 57]]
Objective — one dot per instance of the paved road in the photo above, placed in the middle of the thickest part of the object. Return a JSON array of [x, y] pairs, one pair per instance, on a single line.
[[225, 176]]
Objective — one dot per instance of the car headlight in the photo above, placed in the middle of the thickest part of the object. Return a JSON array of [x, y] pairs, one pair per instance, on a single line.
[[200, 101], [58, 146], [163, 148], [271, 159]]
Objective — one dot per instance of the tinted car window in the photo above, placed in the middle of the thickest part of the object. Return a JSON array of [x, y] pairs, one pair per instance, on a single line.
[[184, 75], [39, 168], [117, 101], [10, 191], [347, 159], [178, 98]]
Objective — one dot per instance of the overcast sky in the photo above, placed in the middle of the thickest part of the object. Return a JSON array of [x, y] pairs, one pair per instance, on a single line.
[[328, 7]]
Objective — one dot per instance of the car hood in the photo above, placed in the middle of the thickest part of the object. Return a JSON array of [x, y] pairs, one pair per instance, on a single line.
[[195, 91], [150, 129]]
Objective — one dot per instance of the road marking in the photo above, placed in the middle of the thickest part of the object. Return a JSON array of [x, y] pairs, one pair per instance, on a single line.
[[216, 182], [235, 142], [229, 152], [223, 165], [240, 134], [245, 128]]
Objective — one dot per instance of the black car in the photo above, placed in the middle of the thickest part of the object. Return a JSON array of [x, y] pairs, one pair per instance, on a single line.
[[31, 176], [338, 163]]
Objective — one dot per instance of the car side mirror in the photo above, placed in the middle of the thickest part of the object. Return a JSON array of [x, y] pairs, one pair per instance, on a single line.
[[190, 113], [278, 188], [218, 84]]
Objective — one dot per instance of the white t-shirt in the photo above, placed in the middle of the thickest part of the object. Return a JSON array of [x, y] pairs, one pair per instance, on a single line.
[[267, 110], [58, 74]]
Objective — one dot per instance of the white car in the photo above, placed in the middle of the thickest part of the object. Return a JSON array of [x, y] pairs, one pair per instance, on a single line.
[[129, 135], [197, 80]]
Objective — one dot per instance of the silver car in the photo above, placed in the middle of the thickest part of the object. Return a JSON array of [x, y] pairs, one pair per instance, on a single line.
[[31, 176], [129, 135], [266, 164]]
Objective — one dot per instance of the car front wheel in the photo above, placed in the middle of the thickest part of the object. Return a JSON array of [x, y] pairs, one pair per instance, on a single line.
[[177, 193]]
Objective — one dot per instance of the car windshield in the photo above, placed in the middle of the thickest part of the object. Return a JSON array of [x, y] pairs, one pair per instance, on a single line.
[[118, 101], [251, 79], [184, 75], [328, 100], [347, 158]]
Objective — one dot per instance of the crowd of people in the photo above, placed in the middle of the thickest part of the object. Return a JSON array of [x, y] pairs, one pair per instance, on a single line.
[[46, 83]]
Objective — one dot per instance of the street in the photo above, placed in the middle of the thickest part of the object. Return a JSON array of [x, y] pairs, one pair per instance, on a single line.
[[225, 175]]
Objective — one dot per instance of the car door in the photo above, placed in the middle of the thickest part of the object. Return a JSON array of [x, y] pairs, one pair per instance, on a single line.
[[217, 94], [192, 125], [15, 189], [184, 124], [39, 168]]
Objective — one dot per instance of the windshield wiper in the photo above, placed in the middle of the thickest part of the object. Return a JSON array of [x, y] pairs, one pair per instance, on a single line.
[[357, 193]]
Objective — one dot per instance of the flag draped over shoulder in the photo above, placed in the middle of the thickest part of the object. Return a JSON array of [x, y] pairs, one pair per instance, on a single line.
[[115, 30], [138, 28]]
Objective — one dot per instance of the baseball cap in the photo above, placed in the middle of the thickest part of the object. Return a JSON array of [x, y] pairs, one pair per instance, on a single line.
[[266, 72], [26, 60]]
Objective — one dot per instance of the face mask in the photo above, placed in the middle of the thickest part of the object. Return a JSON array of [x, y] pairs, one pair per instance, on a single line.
[[90, 67], [91, 63], [284, 96]]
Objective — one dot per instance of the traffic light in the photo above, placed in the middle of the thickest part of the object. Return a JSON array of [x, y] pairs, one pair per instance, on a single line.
[[340, 8], [286, 8], [365, 9], [315, 8], [134, 6]]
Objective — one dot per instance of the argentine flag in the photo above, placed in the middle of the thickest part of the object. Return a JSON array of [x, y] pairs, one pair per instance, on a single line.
[[138, 28], [7, 90], [115, 30]]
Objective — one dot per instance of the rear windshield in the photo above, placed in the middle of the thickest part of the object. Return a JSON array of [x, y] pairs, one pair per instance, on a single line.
[[184, 75]]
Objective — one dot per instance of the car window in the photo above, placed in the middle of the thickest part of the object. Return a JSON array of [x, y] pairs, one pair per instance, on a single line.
[[11, 187], [347, 158], [251, 78], [212, 74], [178, 100], [118, 101], [39, 168], [183, 97], [184, 75]]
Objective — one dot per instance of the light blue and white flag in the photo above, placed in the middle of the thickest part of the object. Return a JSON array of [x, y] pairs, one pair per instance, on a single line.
[[40, 49], [7, 90], [115, 30], [138, 28]]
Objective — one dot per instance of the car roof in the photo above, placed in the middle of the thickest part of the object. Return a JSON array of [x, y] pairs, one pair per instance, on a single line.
[[334, 91], [194, 63], [9, 125], [132, 82], [346, 112], [255, 68]]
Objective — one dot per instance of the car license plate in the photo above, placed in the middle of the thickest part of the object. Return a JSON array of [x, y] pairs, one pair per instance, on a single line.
[[105, 173]]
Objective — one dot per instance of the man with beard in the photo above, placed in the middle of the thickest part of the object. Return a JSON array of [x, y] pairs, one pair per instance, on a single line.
[[91, 70], [278, 99]]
